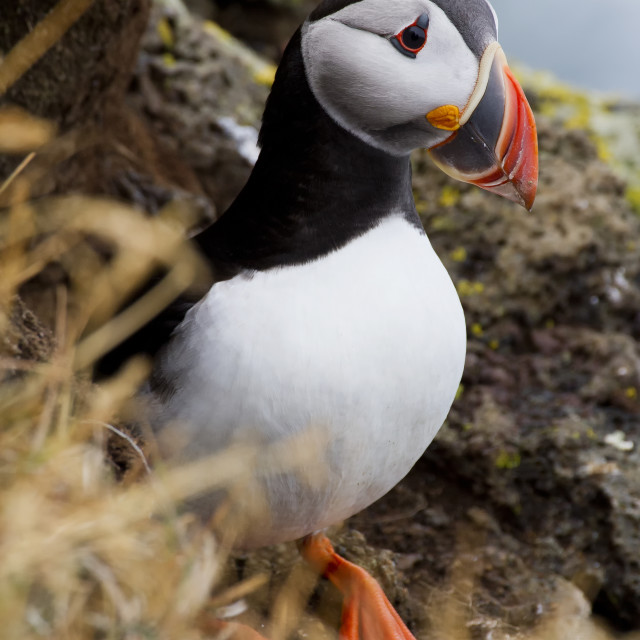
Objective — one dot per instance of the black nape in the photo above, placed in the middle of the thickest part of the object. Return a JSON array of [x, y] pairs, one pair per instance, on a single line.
[[328, 7], [315, 187]]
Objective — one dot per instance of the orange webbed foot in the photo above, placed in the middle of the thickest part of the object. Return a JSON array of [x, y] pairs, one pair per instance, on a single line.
[[367, 614]]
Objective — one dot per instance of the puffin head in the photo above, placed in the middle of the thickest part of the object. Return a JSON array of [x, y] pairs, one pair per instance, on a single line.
[[404, 74]]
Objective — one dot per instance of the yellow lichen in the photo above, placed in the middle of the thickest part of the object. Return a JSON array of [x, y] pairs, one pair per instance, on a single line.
[[581, 116], [477, 330], [449, 197], [631, 393], [548, 109], [168, 59], [166, 33], [604, 152], [508, 460], [633, 198], [442, 223], [467, 288], [266, 75], [216, 30], [459, 254]]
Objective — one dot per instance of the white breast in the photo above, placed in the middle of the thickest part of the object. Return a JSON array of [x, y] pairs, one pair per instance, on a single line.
[[367, 344]]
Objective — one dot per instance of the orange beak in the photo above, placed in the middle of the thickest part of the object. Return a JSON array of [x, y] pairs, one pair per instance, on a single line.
[[496, 144]]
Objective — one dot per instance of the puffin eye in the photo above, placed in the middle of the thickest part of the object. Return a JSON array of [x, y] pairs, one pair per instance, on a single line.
[[412, 39]]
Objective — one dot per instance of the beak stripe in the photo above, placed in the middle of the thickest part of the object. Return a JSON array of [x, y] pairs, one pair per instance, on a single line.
[[484, 72]]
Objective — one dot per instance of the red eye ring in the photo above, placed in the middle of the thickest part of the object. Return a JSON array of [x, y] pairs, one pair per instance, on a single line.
[[412, 39]]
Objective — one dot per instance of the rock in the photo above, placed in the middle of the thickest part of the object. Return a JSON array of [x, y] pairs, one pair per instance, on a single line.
[[23, 338], [79, 85], [191, 79]]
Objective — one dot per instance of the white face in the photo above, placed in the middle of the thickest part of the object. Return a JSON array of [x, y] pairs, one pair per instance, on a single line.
[[374, 90]]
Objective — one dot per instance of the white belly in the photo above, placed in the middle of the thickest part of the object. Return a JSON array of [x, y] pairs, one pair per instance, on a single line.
[[366, 345]]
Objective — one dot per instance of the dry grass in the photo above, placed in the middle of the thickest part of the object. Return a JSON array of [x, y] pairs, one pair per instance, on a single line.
[[80, 555], [39, 40]]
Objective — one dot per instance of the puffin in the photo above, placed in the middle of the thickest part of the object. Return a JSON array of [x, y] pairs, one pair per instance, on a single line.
[[330, 312]]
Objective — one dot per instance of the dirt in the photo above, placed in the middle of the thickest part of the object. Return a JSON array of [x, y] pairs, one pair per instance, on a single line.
[[24, 339], [534, 482]]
